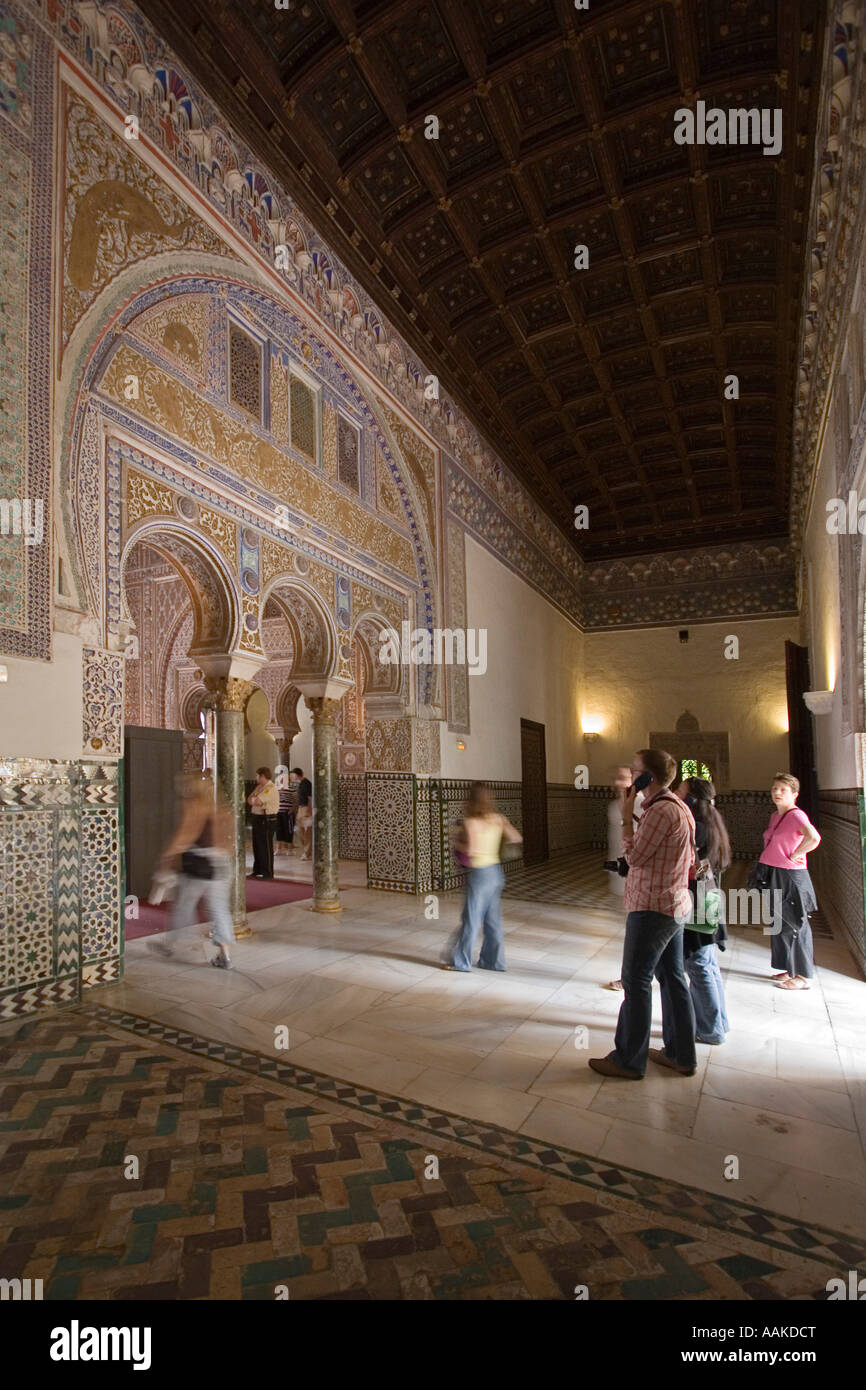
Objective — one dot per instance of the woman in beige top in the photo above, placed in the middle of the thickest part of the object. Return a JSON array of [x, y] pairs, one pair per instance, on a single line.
[[478, 847]]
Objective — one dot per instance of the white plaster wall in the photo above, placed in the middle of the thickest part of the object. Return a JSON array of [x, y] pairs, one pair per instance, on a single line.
[[534, 667], [41, 704], [641, 682], [835, 753], [301, 754]]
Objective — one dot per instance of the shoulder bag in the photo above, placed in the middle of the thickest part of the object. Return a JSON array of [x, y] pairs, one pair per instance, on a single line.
[[196, 865], [759, 874]]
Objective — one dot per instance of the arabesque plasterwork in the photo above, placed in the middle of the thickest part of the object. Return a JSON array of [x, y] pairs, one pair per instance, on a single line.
[[203, 427], [117, 211]]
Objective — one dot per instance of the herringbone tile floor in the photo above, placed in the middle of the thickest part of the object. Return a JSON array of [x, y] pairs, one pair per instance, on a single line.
[[141, 1162]]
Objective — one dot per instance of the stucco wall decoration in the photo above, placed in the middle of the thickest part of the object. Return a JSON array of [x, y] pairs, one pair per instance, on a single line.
[[27, 155], [837, 219], [456, 677], [139, 74], [180, 331], [698, 585], [117, 211]]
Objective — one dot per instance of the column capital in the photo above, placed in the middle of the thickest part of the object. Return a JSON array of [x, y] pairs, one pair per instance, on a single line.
[[324, 711], [228, 692]]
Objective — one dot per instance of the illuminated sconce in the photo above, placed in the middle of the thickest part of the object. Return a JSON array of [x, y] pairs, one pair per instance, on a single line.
[[461, 746], [592, 726], [818, 701]]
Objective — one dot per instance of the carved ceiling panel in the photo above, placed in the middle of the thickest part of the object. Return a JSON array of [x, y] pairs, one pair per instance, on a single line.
[[600, 382]]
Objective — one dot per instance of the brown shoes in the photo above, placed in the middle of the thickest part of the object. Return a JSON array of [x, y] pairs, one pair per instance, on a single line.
[[607, 1067], [662, 1060]]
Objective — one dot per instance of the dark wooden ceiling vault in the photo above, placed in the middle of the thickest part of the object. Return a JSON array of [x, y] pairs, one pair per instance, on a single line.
[[601, 386]]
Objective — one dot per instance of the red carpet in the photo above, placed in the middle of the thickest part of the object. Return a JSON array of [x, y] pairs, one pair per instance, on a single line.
[[260, 893]]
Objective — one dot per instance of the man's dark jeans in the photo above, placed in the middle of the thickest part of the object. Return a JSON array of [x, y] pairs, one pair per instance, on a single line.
[[653, 946]]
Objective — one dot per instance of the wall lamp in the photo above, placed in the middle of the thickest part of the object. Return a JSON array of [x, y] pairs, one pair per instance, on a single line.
[[591, 728], [818, 701]]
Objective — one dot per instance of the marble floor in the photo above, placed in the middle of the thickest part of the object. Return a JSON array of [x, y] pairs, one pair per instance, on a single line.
[[362, 997]]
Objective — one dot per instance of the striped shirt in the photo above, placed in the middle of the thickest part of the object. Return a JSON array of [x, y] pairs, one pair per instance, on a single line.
[[662, 859]]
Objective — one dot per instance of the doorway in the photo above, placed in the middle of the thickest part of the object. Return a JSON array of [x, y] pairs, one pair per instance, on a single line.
[[801, 743], [533, 761]]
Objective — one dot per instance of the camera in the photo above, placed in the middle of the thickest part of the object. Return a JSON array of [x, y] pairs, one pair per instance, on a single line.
[[617, 866]]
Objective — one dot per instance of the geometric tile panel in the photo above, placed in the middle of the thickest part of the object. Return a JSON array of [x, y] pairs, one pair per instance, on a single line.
[[391, 846], [409, 821], [100, 885], [255, 1172], [60, 881], [352, 801], [451, 795]]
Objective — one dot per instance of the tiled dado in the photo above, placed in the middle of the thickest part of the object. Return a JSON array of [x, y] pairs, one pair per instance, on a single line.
[[578, 818], [61, 881], [409, 822], [838, 865]]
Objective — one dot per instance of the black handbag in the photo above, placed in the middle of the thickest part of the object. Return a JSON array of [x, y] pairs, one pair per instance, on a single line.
[[196, 865]]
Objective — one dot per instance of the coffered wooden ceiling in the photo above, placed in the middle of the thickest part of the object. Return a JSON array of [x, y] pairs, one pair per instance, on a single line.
[[601, 386]]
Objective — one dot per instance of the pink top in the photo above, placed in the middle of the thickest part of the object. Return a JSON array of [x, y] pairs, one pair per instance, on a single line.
[[778, 843]]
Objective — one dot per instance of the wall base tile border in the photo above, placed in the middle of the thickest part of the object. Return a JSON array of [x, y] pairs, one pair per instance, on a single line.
[[52, 995]]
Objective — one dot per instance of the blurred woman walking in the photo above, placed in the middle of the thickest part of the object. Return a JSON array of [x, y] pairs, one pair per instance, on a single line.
[[200, 851], [479, 847]]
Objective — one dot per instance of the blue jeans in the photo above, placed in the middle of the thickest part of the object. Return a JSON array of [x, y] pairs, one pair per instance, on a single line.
[[215, 891], [708, 994], [653, 946], [481, 909]]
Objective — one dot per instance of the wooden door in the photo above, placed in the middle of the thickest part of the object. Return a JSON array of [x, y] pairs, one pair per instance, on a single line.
[[534, 775], [801, 743], [153, 759]]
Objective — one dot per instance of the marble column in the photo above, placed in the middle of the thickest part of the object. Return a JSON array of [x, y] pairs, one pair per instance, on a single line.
[[326, 826], [229, 699]]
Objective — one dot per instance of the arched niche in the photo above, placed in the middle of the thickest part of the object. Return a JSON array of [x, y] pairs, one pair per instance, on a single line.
[[210, 587], [380, 677], [690, 742], [312, 627]]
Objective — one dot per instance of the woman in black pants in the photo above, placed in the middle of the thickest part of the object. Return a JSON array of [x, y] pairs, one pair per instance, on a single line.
[[782, 871]]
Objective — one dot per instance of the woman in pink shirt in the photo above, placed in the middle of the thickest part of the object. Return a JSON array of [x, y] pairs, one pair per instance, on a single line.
[[787, 840]]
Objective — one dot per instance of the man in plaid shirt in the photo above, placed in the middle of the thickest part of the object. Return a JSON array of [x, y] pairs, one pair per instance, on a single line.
[[661, 856]]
